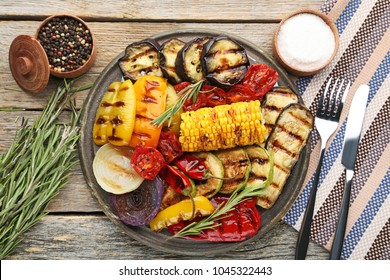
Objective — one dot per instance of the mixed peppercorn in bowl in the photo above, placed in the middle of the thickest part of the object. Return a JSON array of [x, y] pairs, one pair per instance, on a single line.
[[69, 45]]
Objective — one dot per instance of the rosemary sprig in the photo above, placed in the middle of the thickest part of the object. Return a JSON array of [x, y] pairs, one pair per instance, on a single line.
[[220, 212], [35, 167], [191, 91]]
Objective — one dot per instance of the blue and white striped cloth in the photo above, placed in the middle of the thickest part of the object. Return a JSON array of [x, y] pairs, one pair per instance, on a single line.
[[363, 57]]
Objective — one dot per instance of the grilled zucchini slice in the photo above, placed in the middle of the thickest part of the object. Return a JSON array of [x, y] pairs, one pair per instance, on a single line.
[[168, 55], [172, 98], [290, 135], [140, 59], [274, 102], [225, 62], [259, 166], [237, 166], [211, 186], [188, 61]]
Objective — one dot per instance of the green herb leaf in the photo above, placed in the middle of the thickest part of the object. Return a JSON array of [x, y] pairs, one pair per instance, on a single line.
[[191, 91]]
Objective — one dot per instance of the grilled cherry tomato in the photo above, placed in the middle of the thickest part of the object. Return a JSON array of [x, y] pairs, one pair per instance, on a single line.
[[238, 224], [169, 146], [147, 161], [189, 104], [180, 86], [240, 92], [260, 78], [211, 96]]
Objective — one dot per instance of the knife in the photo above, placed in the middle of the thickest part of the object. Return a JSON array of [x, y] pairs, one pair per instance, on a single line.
[[350, 148]]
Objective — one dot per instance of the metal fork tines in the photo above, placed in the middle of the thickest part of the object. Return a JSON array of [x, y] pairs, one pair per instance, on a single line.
[[326, 121]]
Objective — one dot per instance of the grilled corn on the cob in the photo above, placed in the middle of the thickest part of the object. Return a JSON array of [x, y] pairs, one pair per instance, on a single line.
[[222, 127]]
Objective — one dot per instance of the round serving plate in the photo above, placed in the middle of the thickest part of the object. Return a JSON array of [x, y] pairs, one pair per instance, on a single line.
[[162, 240]]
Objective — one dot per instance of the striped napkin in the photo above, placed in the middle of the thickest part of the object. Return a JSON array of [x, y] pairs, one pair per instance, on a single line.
[[363, 57]]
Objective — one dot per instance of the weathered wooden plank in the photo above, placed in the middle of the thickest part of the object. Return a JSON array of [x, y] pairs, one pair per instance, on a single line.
[[181, 10], [95, 237], [74, 197], [111, 39]]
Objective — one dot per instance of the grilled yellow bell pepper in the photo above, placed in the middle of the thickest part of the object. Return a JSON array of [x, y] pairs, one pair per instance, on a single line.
[[182, 211], [115, 117], [151, 101]]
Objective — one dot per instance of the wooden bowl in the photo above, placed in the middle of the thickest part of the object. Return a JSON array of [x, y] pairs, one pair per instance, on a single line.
[[295, 70], [83, 68]]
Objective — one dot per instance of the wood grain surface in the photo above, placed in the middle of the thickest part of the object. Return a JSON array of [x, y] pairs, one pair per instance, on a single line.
[[75, 227], [92, 236], [154, 10]]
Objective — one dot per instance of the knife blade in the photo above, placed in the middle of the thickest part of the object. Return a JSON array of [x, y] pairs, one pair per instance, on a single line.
[[354, 126], [348, 158]]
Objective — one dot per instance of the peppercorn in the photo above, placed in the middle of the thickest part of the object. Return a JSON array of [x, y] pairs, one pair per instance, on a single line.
[[67, 43]]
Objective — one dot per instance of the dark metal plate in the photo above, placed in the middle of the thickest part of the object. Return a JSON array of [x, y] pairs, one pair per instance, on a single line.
[[161, 241]]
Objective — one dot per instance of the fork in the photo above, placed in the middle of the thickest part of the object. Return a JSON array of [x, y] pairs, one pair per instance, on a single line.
[[326, 121]]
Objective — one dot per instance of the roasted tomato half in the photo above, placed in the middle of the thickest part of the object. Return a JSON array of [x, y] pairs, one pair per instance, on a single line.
[[147, 161]]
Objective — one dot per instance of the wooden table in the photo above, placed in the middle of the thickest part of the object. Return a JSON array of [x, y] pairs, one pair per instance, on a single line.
[[75, 227]]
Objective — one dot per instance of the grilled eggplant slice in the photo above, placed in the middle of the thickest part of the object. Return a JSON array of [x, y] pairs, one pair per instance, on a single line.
[[237, 166], [140, 59], [170, 197], [274, 102], [189, 60], [168, 54], [259, 165], [225, 62], [290, 135]]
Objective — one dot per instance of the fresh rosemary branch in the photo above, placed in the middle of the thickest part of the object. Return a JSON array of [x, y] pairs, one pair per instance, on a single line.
[[220, 212], [185, 94], [35, 167]]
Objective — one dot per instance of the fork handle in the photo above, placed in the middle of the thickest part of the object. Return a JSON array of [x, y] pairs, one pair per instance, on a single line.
[[304, 233], [338, 240]]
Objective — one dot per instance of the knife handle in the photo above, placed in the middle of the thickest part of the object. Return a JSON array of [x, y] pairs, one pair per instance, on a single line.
[[304, 233], [338, 240]]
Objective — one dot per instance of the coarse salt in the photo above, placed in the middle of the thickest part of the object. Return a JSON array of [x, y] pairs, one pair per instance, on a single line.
[[305, 42]]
